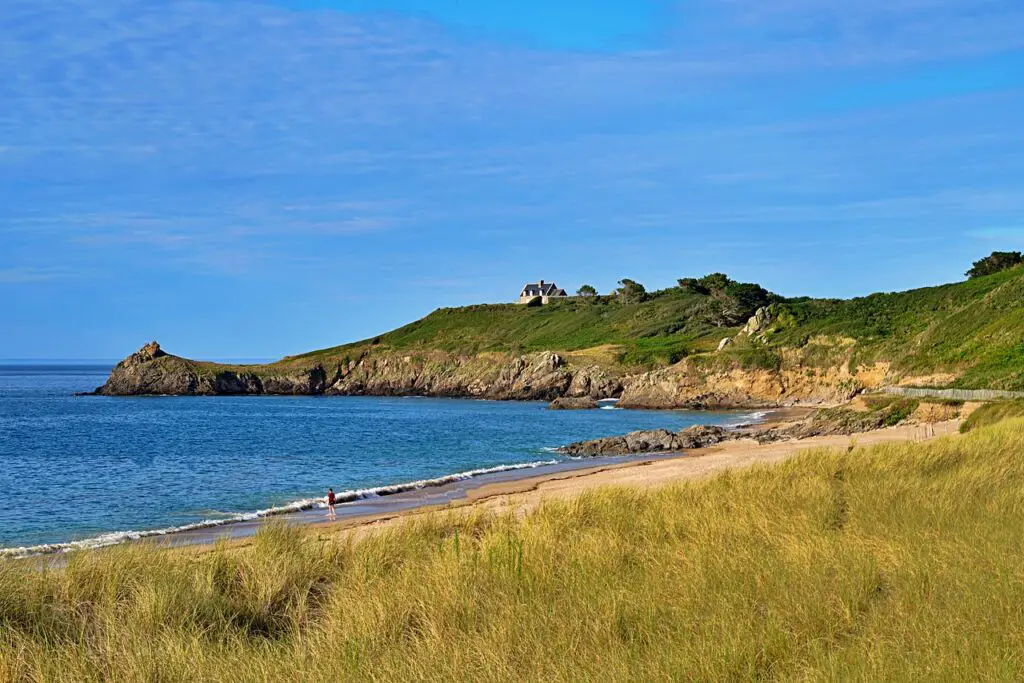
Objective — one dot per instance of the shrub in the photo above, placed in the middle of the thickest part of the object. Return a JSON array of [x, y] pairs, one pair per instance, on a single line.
[[631, 291]]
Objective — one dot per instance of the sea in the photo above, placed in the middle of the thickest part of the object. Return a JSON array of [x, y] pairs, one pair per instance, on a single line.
[[87, 471]]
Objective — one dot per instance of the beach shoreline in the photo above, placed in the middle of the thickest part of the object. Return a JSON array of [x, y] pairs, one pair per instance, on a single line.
[[519, 495], [380, 501]]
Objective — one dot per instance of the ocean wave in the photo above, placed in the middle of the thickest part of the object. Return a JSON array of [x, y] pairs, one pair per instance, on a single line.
[[118, 537], [747, 418]]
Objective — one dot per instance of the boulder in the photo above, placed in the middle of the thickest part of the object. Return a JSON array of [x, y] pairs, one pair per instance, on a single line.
[[571, 403], [651, 441], [758, 323]]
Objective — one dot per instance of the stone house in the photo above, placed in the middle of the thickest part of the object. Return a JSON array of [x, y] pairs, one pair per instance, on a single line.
[[543, 290]]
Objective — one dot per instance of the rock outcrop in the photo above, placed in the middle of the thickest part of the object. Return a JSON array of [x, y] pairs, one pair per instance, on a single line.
[[758, 323], [593, 382], [151, 371], [651, 441], [692, 386], [573, 403], [540, 376]]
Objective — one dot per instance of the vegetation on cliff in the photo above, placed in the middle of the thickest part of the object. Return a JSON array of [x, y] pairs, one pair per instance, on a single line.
[[972, 330], [966, 335], [995, 262], [647, 328], [897, 562]]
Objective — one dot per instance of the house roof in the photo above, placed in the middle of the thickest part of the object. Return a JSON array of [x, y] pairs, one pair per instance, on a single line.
[[542, 289]]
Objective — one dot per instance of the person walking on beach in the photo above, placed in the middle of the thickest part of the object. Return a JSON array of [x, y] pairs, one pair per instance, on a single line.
[[330, 505]]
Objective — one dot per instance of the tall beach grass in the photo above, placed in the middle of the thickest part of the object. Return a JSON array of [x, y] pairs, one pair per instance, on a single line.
[[896, 562]]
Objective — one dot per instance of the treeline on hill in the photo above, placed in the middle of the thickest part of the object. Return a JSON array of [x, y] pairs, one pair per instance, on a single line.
[[974, 329]]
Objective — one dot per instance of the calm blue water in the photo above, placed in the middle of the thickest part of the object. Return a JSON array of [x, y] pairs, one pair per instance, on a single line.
[[76, 467]]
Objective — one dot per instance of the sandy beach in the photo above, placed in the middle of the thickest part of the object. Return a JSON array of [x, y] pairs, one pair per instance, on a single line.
[[518, 495]]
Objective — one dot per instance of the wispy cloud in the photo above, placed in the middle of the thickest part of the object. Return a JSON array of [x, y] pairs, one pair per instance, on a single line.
[[27, 274], [193, 138]]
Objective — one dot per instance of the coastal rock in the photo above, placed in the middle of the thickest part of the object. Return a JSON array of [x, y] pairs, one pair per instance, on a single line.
[[694, 385], [573, 403], [541, 376], [651, 441], [594, 382], [151, 371], [725, 342], [687, 386], [758, 323]]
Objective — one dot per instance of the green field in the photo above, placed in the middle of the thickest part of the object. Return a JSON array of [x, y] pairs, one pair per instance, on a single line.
[[895, 563]]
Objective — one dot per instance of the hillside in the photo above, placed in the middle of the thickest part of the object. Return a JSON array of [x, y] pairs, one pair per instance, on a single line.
[[662, 350]]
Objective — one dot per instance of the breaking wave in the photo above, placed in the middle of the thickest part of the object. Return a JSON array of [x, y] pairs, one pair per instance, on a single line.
[[117, 537]]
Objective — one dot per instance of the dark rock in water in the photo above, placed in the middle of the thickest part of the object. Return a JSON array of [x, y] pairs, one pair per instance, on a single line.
[[566, 403], [651, 441]]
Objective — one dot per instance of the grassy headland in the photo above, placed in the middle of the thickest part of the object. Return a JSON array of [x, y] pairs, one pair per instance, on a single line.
[[973, 330], [685, 346], [893, 562]]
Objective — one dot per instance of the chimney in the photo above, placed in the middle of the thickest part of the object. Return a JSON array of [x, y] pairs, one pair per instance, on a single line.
[[541, 283]]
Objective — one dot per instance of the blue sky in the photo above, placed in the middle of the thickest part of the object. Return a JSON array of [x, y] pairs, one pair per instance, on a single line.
[[252, 179]]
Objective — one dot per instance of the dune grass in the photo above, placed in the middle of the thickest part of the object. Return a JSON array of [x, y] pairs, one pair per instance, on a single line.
[[896, 562], [992, 413]]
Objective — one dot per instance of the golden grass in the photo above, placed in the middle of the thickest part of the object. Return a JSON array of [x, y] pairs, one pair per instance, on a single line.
[[991, 413], [895, 562]]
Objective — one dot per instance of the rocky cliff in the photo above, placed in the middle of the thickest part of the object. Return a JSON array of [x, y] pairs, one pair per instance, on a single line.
[[709, 342], [538, 376]]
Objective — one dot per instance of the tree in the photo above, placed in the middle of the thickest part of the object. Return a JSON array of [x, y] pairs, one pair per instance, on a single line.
[[732, 302], [995, 262], [715, 281], [692, 284], [587, 291], [631, 291]]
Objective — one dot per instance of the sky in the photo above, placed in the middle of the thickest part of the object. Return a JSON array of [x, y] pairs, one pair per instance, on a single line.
[[261, 178]]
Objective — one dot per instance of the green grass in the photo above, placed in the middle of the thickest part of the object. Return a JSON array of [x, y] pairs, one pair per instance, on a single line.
[[897, 563], [991, 413], [972, 329], [663, 329], [562, 326]]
